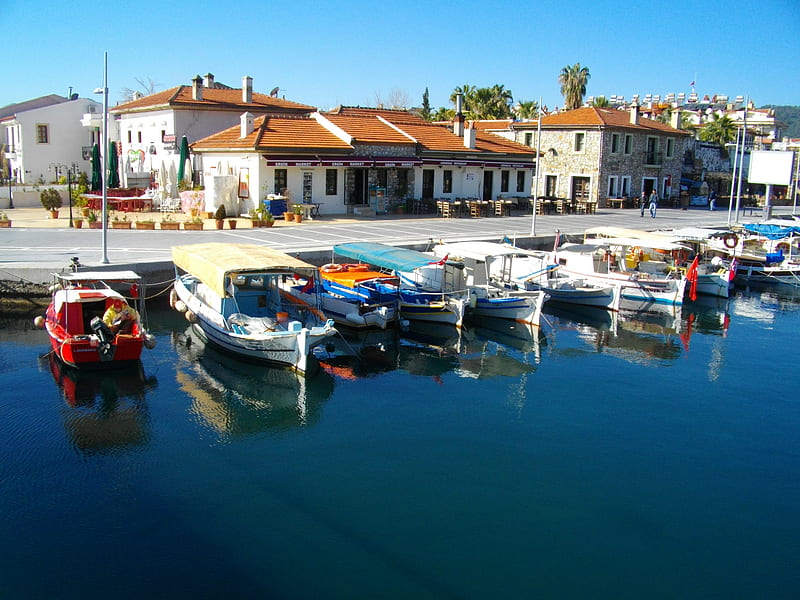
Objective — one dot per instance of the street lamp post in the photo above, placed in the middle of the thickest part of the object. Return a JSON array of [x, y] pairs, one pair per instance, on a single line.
[[71, 170], [104, 91]]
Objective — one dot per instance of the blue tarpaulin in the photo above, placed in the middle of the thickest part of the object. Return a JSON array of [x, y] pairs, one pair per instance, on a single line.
[[381, 255], [772, 232]]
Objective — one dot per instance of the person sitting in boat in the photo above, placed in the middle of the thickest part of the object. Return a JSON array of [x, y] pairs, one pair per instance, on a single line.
[[120, 316]]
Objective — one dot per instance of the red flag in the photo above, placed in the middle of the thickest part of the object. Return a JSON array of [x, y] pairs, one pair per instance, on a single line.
[[441, 262], [732, 273], [691, 277]]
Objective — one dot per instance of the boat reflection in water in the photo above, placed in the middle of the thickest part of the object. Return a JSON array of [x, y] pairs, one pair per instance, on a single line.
[[106, 411], [236, 398], [643, 332], [494, 347]]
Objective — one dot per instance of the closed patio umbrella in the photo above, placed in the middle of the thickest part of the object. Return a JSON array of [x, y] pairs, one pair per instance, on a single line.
[[113, 165], [183, 171], [97, 169]]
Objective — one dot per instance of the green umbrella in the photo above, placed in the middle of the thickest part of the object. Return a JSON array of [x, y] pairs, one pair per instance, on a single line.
[[184, 157], [113, 169], [97, 169]]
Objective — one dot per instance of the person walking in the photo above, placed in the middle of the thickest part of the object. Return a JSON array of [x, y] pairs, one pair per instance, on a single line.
[[653, 203], [712, 200], [642, 203]]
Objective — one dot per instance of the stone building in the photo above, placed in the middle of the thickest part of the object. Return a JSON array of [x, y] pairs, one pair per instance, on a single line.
[[600, 153]]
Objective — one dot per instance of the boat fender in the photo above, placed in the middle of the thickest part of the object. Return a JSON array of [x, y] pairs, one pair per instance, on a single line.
[[331, 268], [473, 301], [358, 268], [149, 341], [180, 306], [730, 240], [39, 321], [190, 316], [173, 297]]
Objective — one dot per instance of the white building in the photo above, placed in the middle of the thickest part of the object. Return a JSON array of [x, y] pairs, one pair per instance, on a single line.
[[45, 132]]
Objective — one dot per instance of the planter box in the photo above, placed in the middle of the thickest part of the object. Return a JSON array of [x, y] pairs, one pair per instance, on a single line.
[[169, 225], [95, 224], [255, 223], [140, 225], [5, 224], [121, 224], [193, 226]]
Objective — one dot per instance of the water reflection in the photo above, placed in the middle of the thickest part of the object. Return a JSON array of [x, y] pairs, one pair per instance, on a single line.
[[494, 347], [106, 410], [236, 398]]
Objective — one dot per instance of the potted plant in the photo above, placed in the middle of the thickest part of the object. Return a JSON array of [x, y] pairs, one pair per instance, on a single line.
[[220, 215], [4, 220], [51, 200], [167, 222], [94, 220], [268, 219], [298, 214], [255, 218], [193, 224], [77, 222], [120, 221], [288, 214], [145, 223], [232, 223]]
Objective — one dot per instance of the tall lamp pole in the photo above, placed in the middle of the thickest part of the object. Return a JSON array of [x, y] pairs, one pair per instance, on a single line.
[[104, 91]]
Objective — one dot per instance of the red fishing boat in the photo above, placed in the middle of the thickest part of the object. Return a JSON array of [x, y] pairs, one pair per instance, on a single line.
[[91, 323]]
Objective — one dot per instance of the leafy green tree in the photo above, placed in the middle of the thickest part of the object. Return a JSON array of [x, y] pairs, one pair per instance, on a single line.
[[601, 102], [425, 113], [720, 130], [484, 103], [573, 80], [443, 114]]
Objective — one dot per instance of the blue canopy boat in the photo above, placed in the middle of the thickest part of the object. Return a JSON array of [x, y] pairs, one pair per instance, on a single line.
[[430, 289]]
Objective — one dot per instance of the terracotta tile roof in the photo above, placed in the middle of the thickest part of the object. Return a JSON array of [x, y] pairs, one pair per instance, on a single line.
[[213, 98], [486, 124], [369, 129], [276, 133], [604, 117]]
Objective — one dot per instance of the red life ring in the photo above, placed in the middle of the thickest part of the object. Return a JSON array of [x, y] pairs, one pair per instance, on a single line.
[[730, 240], [331, 268]]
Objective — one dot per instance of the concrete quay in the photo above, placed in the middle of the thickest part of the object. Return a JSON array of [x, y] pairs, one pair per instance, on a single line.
[[36, 246]]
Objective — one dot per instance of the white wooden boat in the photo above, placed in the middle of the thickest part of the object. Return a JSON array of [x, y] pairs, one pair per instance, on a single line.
[[764, 253], [430, 290], [232, 294], [488, 297], [640, 264]]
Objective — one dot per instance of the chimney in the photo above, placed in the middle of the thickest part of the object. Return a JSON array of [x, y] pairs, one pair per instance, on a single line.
[[634, 113], [246, 124], [675, 118], [469, 136], [247, 89], [458, 120], [197, 88], [209, 80]]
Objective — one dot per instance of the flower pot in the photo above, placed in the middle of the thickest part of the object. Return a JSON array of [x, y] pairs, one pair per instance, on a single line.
[[193, 226], [121, 224], [220, 224], [5, 224], [288, 217], [268, 223], [170, 225], [256, 223], [232, 223], [145, 225], [78, 223], [298, 218], [53, 214], [95, 224]]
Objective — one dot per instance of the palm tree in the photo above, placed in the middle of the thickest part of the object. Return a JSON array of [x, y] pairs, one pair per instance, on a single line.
[[601, 102], [573, 80], [467, 92], [484, 103], [528, 109], [720, 130]]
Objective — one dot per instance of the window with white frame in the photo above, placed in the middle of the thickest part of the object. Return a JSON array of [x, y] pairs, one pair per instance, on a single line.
[[42, 134], [628, 143], [520, 181], [625, 185], [613, 186], [529, 139], [579, 143], [447, 181], [614, 143], [504, 179], [331, 182]]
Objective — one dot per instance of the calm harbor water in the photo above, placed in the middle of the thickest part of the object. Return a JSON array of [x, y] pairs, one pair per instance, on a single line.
[[649, 456]]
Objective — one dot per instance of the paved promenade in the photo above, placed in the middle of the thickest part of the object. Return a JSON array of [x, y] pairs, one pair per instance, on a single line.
[[36, 246]]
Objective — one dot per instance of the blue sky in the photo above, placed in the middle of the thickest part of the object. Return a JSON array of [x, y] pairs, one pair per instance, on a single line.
[[354, 53]]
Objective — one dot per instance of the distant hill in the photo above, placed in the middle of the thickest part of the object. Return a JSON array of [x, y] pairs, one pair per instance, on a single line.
[[790, 117]]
